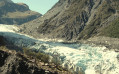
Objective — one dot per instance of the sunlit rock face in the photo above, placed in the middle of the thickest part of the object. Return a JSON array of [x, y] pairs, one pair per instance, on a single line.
[[15, 13]]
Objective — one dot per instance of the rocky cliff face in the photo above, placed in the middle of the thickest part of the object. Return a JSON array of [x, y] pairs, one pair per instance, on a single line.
[[15, 13], [76, 19]]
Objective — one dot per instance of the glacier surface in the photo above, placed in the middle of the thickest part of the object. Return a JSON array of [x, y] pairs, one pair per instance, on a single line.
[[78, 57]]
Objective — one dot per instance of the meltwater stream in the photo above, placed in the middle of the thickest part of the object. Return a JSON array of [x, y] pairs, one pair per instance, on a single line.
[[79, 57]]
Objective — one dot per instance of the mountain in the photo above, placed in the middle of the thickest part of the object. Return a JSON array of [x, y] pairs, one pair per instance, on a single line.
[[77, 19], [15, 13]]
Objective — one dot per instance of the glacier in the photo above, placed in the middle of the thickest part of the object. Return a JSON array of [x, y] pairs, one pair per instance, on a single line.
[[90, 59]]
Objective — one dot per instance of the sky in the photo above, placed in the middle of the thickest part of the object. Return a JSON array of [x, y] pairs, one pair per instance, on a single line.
[[41, 6]]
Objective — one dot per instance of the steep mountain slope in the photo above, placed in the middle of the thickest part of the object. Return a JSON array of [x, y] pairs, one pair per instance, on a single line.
[[76, 19], [32, 26], [15, 13]]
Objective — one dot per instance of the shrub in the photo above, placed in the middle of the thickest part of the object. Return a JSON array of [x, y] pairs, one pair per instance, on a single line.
[[56, 60], [112, 30], [41, 56]]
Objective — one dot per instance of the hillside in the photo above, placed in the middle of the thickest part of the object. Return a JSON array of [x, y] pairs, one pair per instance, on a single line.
[[75, 19], [25, 61], [14, 63], [15, 13]]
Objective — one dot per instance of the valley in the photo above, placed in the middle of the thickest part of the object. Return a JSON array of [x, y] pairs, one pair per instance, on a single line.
[[73, 37], [74, 56]]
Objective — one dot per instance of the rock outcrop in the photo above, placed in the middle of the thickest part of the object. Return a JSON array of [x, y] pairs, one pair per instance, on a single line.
[[75, 19], [15, 63], [15, 13]]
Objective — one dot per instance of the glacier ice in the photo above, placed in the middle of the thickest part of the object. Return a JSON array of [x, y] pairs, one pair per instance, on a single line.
[[79, 57]]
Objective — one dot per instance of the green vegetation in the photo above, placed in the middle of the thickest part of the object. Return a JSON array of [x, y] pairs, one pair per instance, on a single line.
[[44, 58], [41, 56], [103, 12], [112, 30]]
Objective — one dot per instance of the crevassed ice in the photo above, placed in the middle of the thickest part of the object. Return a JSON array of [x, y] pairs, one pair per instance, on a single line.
[[94, 60], [91, 59]]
